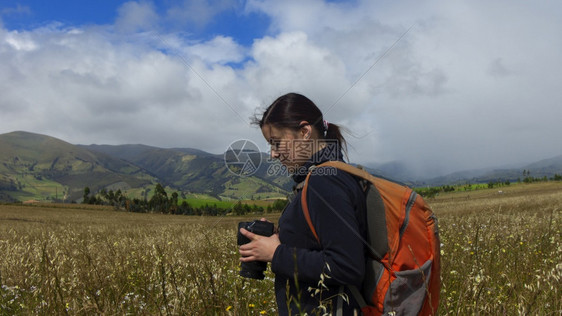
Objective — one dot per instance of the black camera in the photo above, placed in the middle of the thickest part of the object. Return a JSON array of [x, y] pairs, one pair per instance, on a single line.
[[254, 269]]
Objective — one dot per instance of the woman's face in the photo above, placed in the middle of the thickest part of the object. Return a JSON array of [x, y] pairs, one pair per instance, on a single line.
[[284, 144]]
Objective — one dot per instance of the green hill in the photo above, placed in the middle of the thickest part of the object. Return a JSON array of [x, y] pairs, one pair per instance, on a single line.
[[194, 170], [544, 168], [39, 167]]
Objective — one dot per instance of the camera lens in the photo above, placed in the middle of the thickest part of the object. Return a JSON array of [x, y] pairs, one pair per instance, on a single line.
[[253, 270]]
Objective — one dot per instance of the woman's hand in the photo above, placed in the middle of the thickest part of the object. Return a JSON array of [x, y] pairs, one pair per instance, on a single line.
[[260, 248]]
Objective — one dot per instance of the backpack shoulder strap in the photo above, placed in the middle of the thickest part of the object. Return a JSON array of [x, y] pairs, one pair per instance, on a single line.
[[335, 164], [348, 168], [304, 204], [376, 218]]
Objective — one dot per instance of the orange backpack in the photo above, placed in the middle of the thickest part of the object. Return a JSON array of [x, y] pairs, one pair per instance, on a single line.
[[402, 272]]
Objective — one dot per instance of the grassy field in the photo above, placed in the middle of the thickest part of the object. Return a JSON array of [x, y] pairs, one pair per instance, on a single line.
[[501, 255]]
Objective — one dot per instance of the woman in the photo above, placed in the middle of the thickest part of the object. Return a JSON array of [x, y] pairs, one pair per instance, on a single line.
[[300, 138]]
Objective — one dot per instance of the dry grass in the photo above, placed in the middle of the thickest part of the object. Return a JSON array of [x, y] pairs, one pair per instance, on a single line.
[[77, 261], [502, 254]]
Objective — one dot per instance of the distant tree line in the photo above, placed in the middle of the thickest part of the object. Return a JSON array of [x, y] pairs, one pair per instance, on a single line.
[[160, 202], [530, 179], [430, 192], [498, 183]]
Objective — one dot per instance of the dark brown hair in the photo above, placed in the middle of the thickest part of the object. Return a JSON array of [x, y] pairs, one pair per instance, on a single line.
[[291, 109]]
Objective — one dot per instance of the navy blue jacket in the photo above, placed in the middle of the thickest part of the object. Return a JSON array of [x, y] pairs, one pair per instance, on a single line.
[[341, 246]]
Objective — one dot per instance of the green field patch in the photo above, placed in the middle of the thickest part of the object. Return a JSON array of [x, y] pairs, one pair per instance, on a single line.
[[134, 192], [471, 187], [197, 203], [262, 203], [200, 202], [251, 189], [37, 188]]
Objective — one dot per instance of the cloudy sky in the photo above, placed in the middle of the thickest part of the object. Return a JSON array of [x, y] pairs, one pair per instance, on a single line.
[[442, 85]]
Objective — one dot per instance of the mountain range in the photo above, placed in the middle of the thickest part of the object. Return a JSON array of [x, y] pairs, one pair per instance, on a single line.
[[40, 167]]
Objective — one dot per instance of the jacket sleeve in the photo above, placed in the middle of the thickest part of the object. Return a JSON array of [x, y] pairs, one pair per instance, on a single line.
[[333, 213]]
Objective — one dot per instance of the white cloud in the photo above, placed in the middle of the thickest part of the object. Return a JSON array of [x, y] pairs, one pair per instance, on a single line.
[[219, 50], [433, 90], [472, 84], [136, 16], [77, 84], [290, 62], [20, 41]]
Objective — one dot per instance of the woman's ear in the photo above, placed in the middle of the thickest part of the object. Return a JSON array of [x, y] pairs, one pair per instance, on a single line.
[[306, 130]]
